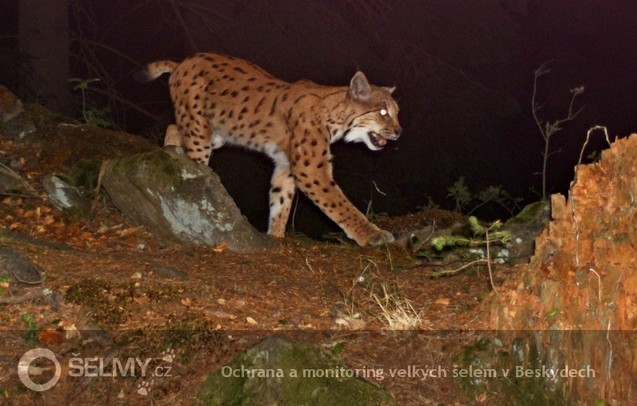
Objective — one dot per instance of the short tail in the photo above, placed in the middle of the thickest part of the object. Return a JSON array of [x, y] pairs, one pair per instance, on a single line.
[[154, 70]]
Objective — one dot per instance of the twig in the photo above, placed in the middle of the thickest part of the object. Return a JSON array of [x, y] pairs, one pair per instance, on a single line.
[[185, 27], [307, 262], [123, 101], [489, 262], [203, 13], [541, 70], [295, 206], [433, 230], [12, 174], [547, 129], [23, 298], [599, 285], [588, 136], [107, 48], [610, 352], [105, 165], [458, 270], [571, 196]]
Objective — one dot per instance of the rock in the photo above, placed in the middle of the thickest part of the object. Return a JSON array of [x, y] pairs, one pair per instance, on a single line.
[[179, 200], [525, 227], [18, 268], [277, 372], [168, 272], [10, 105], [63, 196], [15, 124], [10, 181], [9, 184], [18, 127]]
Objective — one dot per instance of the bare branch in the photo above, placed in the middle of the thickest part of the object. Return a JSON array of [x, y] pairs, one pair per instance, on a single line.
[[184, 26], [108, 48], [547, 129], [123, 101]]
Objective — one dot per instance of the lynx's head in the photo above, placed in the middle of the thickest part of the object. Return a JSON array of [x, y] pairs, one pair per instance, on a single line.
[[375, 114]]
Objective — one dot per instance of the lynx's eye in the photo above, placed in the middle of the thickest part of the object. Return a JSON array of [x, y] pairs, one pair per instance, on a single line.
[[383, 112]]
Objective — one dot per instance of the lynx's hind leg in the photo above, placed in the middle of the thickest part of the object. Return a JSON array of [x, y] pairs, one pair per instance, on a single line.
[[195, 131], [282, 191], [173, 136]]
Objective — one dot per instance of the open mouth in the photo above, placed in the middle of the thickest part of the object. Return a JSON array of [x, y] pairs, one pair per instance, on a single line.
[[377, 140]]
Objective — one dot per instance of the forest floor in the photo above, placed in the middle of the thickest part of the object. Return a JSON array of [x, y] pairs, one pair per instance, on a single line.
[[119, 293]]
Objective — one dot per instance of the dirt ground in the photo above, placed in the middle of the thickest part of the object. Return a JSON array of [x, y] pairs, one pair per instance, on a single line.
[[110, 314], [119, 293]]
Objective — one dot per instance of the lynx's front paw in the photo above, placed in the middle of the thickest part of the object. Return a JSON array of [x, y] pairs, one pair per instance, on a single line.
[[383, 237]]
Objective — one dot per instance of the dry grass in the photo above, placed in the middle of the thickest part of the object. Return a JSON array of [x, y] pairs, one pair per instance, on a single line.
[[395, 310], [386, 300]]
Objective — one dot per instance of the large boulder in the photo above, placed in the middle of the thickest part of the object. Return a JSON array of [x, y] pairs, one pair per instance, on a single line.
[[179, 200]]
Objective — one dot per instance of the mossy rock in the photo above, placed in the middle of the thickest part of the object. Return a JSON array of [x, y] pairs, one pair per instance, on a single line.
[[531, 213], [179, 200], [496, 367], [277, 372], [525, 227]]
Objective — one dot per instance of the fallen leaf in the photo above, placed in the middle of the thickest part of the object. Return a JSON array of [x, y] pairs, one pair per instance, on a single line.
[[51, 336], [442, 301], [219, 248]]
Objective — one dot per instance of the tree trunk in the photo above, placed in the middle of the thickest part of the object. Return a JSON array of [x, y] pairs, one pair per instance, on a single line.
[[43, 38]]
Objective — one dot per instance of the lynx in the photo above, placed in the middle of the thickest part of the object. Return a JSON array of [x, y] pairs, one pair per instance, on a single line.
[[221, 99]]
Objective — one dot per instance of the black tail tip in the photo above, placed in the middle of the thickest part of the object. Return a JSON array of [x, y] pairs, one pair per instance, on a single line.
[[142, 76]]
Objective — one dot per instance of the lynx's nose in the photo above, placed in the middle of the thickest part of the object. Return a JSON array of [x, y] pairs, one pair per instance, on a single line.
[[396, 134]]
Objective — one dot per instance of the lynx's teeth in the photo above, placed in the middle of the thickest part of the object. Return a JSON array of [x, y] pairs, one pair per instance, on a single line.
[[377, 139]]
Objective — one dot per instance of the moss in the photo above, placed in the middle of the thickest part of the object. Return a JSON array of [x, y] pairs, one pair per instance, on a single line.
[[40, 116], [316, 388], [167, 171], [529, 213], [65, 146], [505, 380], [84, 174], [276, 372]]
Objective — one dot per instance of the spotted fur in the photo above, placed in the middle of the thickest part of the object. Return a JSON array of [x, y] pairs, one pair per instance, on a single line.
[[220, 99]]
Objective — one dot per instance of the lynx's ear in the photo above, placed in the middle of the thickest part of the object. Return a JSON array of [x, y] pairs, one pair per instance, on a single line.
[[390, 89], [359, 88]]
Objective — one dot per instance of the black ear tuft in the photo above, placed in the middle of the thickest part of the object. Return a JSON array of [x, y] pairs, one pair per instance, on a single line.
[[359, 88], [390, 89]]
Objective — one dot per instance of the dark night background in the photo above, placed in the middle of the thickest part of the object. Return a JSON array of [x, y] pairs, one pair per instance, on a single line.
[[463, 71]]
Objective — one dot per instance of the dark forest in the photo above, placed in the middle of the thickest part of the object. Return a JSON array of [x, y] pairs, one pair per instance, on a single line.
[[497, 233], [464, 71]]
